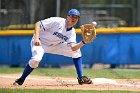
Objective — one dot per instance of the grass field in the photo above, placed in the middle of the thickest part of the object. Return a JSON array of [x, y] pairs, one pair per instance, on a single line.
[[58, 91], [93, 73]]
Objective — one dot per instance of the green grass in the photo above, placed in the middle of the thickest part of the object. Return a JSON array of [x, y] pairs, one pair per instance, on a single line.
[[93, 73], [58, 91]]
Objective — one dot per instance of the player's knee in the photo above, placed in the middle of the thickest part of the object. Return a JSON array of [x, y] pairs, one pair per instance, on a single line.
[[33, 63], [76, 54]]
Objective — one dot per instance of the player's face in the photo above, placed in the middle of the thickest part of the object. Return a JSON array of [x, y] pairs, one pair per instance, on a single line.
[[74, 16], [73, 19]]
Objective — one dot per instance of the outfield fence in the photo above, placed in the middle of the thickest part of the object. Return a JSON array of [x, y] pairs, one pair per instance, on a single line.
[[115, 46]]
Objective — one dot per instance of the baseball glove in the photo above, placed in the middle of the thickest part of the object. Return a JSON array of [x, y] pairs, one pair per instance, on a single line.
[[88, 32]]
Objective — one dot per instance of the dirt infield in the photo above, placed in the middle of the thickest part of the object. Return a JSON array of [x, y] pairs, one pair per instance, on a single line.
[[44, 82]]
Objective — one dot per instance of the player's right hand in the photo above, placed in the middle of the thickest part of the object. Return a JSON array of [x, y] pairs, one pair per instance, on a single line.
[[37, 42]]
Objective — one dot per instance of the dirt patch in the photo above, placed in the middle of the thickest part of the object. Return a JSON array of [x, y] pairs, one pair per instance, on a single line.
[[44, 82]]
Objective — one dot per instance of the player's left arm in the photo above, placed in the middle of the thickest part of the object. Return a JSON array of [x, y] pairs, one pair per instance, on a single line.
[[72, 41], [77, 46]]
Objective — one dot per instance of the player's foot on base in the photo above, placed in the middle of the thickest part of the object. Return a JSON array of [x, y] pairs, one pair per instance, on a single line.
[[18, 82], [84, 80]]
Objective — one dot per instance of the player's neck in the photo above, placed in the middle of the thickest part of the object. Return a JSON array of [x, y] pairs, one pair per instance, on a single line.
[[68, 25]]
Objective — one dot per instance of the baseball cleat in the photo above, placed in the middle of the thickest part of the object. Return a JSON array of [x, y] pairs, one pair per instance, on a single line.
[[84, 80], [18, 82]]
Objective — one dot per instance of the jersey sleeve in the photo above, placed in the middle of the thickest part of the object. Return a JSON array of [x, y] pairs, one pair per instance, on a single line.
[[72, 39]]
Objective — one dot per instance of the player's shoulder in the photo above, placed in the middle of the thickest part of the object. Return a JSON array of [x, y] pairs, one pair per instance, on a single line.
[[58, 19], [73, 29]]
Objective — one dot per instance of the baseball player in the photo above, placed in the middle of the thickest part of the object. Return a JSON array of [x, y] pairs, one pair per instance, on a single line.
[[56, 35]]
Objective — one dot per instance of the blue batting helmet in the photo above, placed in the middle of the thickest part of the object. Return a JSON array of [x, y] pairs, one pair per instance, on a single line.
[[73, 12]]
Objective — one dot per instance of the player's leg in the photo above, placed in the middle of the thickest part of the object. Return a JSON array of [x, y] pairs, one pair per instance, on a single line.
[[25, 73], [65, 50], [78, 65], [37, 54]]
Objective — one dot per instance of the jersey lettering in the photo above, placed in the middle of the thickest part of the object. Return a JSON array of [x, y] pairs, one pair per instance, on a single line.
[[65, 38]]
